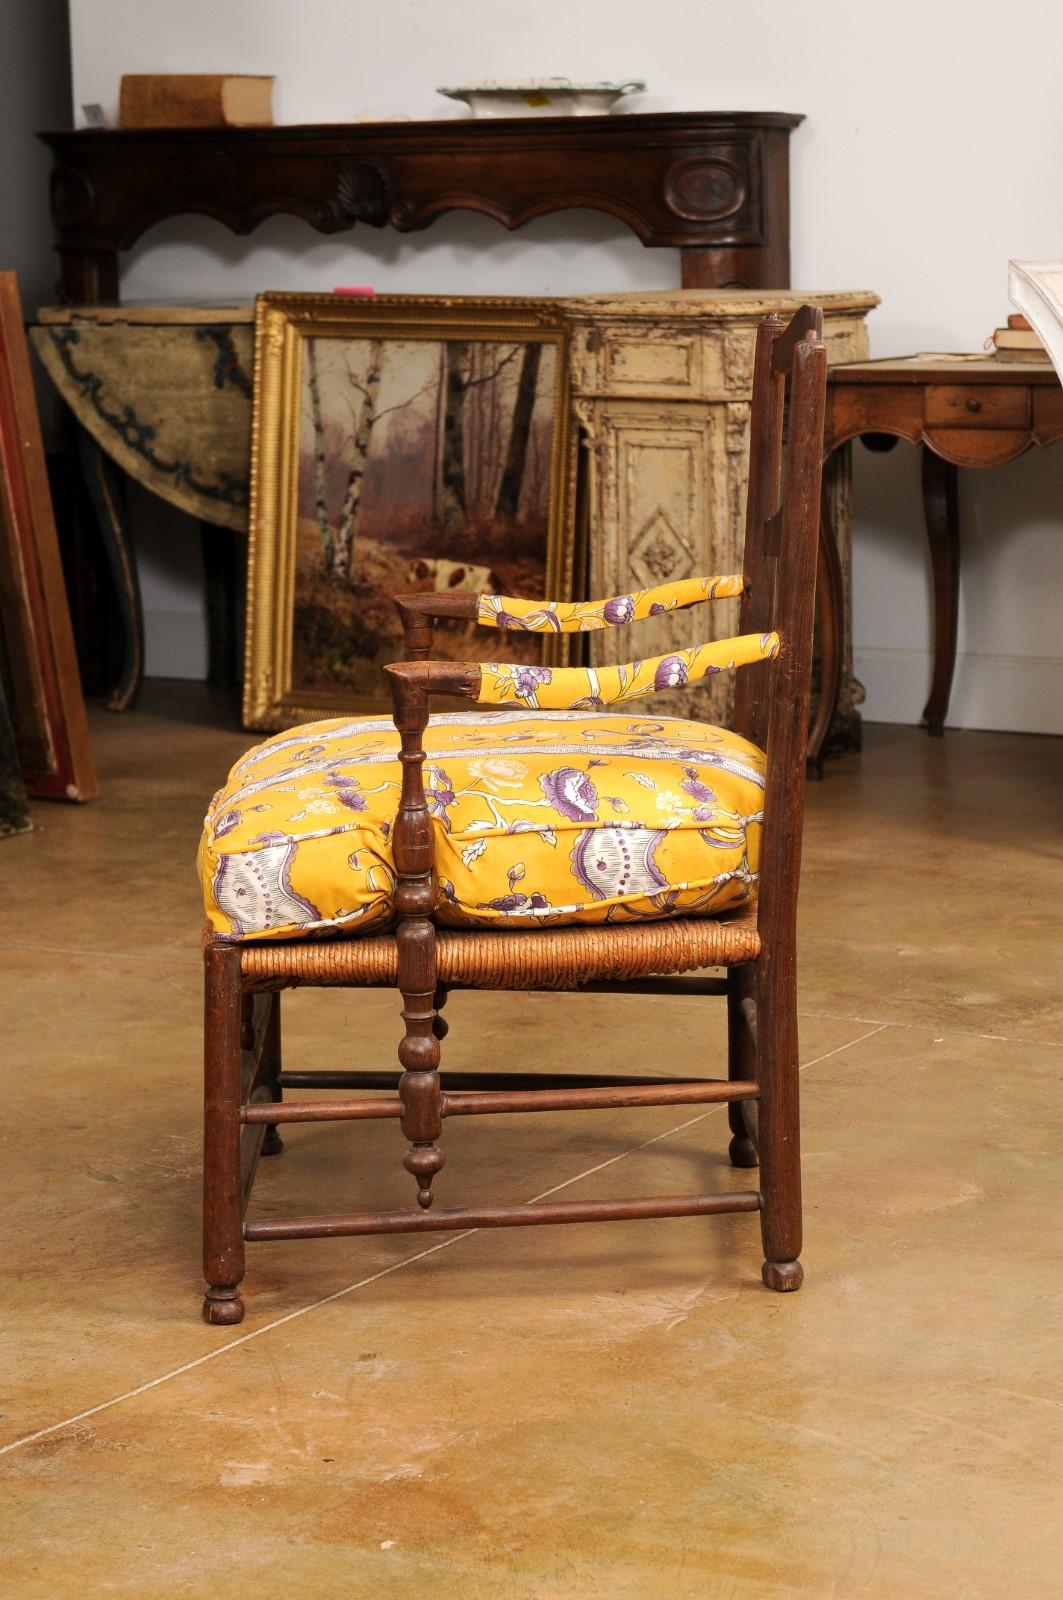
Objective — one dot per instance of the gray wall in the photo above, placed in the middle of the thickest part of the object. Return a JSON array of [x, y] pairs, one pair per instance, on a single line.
[[34, 94]]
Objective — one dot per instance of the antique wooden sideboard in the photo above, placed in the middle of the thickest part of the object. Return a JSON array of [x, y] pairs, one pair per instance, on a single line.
[[714, 185]]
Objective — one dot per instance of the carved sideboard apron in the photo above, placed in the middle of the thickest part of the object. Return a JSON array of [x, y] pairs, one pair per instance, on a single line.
[[714, 185], [661, 384]]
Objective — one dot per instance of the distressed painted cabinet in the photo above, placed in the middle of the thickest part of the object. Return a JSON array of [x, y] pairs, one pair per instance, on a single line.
[[661, 385]]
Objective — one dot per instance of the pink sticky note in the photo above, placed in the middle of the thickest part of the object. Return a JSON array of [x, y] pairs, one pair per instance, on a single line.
[[359, 291]]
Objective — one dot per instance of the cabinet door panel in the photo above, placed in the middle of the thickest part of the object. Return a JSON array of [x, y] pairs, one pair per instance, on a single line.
[[667, 493]]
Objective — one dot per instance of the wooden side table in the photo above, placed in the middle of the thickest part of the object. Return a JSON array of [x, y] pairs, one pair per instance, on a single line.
[[964, 412]]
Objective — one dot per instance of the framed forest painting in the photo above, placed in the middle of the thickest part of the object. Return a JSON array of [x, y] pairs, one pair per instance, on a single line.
[[398, 444]]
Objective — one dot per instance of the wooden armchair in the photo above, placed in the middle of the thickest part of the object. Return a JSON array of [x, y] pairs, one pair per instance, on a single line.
[[640, 925]]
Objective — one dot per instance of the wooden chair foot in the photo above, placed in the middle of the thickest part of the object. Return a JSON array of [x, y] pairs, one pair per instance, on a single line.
[[272, 1144], [222, 1305], [783, 1276], [742, 1151]]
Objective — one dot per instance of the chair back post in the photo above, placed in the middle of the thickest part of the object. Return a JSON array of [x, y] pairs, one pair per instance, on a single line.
[[803, 351], [415, 937], [757, 611]]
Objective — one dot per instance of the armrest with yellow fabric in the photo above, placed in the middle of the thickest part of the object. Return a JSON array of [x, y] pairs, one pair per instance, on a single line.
[[419, 611], [593, 688], [571, 688], [587, 616]]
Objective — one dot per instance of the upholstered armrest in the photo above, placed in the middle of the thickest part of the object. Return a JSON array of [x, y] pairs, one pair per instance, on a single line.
[[419, 611], [588, 688], [586, 616], [574, 688]]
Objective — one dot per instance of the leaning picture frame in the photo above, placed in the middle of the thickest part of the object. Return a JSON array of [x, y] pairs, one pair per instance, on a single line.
[[398, 444], [38, 661]]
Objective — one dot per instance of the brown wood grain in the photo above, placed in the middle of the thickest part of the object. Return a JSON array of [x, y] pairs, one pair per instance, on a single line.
[[980, 413], [714, 185], [520, 1216]]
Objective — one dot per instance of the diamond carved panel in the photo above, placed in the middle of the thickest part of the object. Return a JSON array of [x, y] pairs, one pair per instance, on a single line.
[[662, 389], [659, 553]]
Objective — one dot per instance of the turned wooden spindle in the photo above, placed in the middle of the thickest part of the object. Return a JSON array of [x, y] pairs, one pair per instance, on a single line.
[[415, 937]]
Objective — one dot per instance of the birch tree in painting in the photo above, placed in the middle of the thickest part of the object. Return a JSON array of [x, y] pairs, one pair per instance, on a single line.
[[343, 545], [452, 456], [320, 474], [511, 483], [421, 463]]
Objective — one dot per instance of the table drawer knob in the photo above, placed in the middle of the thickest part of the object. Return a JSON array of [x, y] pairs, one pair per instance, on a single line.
[[982, 405]]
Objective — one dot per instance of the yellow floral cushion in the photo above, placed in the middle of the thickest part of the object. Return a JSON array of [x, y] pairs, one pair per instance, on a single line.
[[577, 816]]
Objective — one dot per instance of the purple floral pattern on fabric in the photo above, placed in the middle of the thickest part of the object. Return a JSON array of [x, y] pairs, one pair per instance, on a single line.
[[671, 673], [622, 609], [348, 791], [254, 889], [616, 861], [581, 616], [693, 786], [439, 793], [527, 679], [572, 793], [597, 687], [516, 904], [537, 820]]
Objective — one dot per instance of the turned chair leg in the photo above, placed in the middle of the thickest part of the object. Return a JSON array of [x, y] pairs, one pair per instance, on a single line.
[[419, 1091], [223, 1240], [741, 1059], [778, 1132]]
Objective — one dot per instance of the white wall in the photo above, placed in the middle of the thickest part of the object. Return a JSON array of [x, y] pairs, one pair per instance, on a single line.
[[930, 154]]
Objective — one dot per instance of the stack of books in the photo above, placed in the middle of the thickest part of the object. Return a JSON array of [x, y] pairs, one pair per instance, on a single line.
[[1018, 342]]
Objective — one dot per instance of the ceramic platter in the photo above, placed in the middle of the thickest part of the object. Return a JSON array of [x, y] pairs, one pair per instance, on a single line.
[[542, 97]]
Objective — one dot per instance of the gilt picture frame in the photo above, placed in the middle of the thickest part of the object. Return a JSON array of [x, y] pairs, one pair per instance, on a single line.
[[399, 444]]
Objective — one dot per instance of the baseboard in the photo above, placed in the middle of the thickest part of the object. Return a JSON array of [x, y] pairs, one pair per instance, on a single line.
[[1012, 694]]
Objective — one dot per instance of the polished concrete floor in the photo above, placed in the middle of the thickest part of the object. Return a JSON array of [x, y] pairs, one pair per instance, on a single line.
[[617, 1412]]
